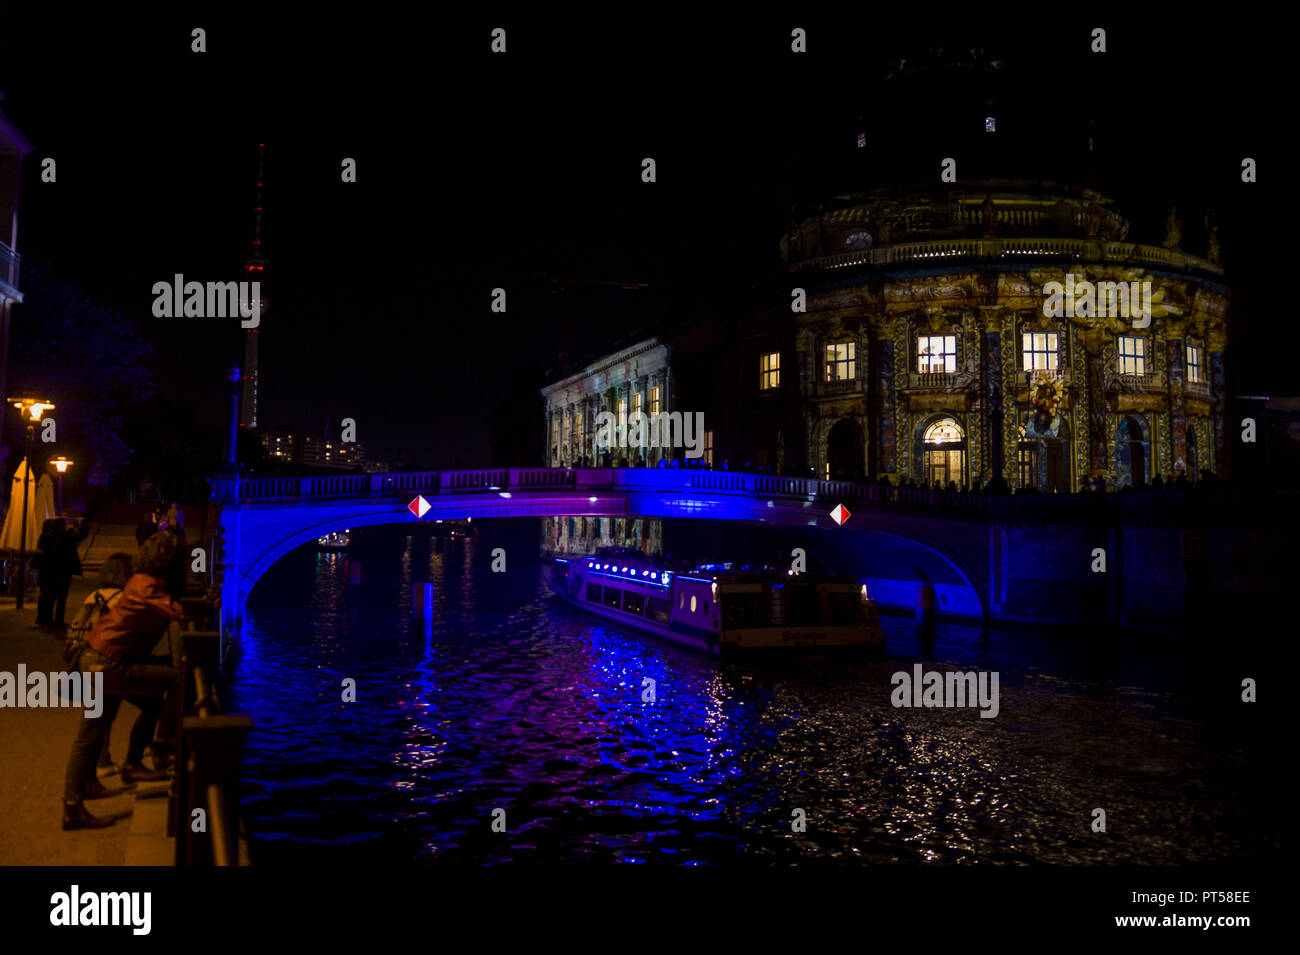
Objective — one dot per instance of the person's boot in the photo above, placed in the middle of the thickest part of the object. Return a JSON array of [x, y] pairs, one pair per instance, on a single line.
[[136, 773], [97, 790], [75, 816], [108, 769], [162, 757]]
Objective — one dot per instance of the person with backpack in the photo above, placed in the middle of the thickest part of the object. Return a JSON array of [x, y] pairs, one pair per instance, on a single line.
[[113, 575], [118, 645]]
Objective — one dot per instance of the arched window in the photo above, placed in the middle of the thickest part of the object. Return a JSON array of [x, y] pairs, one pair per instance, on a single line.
[[1131, 451], [944, 446]]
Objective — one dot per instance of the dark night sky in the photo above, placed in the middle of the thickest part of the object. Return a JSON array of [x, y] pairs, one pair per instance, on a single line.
[[478, 171]]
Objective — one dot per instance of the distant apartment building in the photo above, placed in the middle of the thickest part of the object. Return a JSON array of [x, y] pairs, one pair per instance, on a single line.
[[281, 446], [311, 451], [323, 453]]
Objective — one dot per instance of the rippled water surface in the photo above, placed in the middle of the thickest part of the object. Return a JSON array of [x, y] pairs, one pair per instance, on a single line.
[[509, 700]]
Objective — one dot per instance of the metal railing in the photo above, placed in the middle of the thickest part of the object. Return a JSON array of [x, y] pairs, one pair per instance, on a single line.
[[203, 814], [10, 263]]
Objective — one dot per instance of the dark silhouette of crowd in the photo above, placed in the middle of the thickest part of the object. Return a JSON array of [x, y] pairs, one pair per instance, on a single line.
[[56, 563]]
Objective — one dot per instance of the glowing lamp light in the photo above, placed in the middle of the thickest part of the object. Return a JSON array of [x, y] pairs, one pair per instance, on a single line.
[[592, 500], [33, 408], [864, 592], [61, 464]]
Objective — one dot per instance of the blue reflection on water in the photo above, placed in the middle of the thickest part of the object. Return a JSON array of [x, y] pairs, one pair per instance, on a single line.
[[507, 700]]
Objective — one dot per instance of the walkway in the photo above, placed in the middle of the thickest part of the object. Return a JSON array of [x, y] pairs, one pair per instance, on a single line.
[[34, 746]]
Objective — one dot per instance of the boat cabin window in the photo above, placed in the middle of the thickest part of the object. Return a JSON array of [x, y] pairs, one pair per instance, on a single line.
[[593, 593], [660, 609], [613, 597], [633, 602], [692, 603]]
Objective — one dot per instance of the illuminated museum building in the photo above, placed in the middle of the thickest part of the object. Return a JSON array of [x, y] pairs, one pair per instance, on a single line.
[[925, 350]]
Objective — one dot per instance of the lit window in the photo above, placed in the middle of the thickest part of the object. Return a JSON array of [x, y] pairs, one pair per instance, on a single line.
[[942, 432], [1194, 372], [841, 361], [620, 415], [945, 452], [936, 353], [708, 448], [654, 400], [1132, 355], [636, 403], [862, 140], [555, 430], [990, 124], [769, 371], [1040, 351], [1027, 462]]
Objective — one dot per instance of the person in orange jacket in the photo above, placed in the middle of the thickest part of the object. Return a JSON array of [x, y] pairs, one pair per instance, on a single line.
[[118, 645]]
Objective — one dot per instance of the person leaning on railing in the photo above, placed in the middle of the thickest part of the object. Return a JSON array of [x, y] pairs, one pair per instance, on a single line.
[[119, 645]]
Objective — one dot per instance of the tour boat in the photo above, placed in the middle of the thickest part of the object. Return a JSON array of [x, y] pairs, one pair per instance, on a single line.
[[719, 608], [339, 540]]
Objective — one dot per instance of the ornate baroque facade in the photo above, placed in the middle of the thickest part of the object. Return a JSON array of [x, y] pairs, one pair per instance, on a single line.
[[925, 351]]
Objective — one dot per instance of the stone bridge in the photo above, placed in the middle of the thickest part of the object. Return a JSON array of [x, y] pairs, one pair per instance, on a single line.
[[1008, 558]]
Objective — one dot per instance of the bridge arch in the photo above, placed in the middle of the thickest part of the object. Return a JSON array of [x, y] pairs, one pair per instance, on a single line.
[[264, 520]]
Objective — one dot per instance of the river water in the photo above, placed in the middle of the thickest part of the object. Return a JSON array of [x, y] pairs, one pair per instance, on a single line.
[[508, 700]]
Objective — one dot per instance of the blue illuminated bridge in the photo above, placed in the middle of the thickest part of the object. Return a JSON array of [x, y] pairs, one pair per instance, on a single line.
[[1000, 558]]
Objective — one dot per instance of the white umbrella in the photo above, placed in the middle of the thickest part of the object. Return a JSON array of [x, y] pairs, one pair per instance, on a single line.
[[10, 537], [44, 498]]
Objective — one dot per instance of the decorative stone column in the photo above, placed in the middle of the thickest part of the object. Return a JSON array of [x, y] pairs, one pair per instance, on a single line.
[[1099, 428], [1177, 404], [991, 387], [1219, 461], [888, 405]]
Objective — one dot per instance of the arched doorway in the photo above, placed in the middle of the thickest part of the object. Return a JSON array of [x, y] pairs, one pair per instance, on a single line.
[[844, 447], [1131, 447], [944, 449]]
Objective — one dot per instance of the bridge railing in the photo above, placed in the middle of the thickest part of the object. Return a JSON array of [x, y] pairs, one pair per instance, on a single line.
[[611, 479], [1150, 508]]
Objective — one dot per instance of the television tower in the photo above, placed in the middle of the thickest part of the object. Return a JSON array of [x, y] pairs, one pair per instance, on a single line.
[[254, 271]]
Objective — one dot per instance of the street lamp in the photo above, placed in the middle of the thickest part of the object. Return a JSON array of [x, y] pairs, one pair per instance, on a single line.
[[61, 464], [232, 453], [31, 410]]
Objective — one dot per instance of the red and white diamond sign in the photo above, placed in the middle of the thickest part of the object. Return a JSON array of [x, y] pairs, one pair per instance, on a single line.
[[840, 514], [419, 507]]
